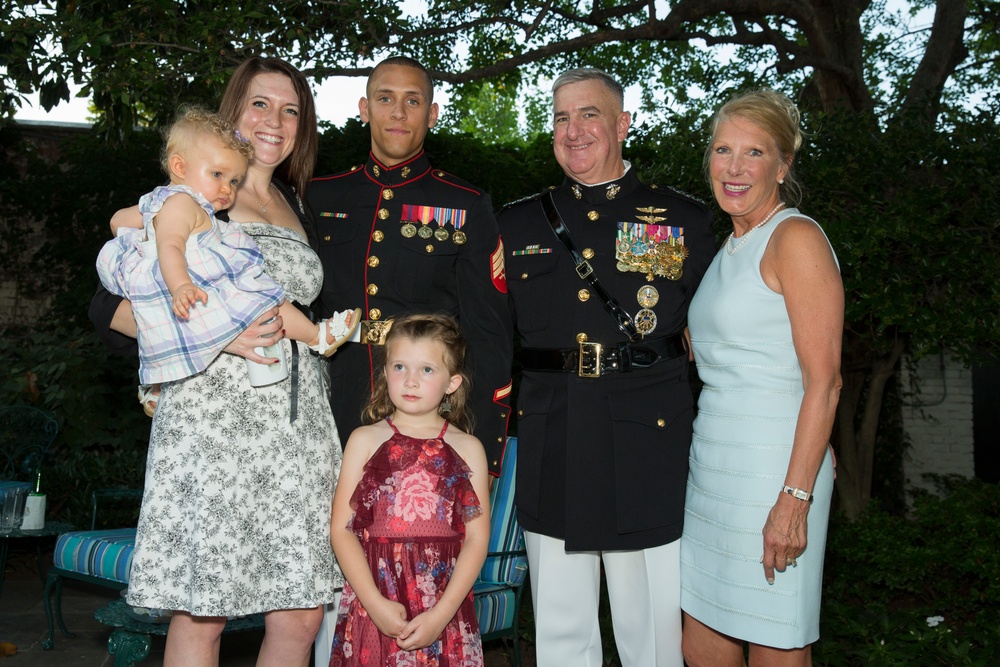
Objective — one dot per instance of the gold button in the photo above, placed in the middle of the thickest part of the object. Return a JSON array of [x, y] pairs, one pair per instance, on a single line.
[[581, 338], [661, 423], [383, 213], [372, 289], [588, 253], [503, 414], [520, 413], [439, 174], [374, 314], [429, 248], [377, 236], [388, 194], [499, 440], [524, 276], [326, 238], [373, 261], [583, 295], [356, 167], [593, 215]]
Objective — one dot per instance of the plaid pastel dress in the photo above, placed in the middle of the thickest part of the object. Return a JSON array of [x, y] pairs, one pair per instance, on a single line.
[[411, 507], [223, 261]]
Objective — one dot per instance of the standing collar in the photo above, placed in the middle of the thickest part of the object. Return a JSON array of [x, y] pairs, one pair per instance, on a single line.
[[604, 192], [416, 166]]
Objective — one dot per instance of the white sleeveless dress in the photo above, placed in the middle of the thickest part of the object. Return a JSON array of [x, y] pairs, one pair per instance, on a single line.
[[742, 442]]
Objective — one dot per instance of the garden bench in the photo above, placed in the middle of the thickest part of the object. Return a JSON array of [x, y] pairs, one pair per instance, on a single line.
[[104, 557], [497, 591]]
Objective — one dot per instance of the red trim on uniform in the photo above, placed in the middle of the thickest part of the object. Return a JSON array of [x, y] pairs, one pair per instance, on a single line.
[[502, 392], [397, 185], [499, 395], [336, 176], [454, 185], [497, 271]]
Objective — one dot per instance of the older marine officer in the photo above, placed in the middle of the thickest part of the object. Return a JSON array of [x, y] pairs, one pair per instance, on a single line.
[[600, 271]]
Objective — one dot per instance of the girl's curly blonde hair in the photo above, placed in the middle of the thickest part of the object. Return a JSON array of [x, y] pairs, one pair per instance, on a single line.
[[194, 123]]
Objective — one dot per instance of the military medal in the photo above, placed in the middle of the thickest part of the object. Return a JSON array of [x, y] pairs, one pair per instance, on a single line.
[[655, 250], [645, 321], [459, 238], [425, 232], [408, 230], [647, 296], [441, 234]]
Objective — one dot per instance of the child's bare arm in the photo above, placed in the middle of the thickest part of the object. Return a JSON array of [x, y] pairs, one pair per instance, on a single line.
[[177, 219], [425, 628], [126, 217], [297, 326], [389, 616]]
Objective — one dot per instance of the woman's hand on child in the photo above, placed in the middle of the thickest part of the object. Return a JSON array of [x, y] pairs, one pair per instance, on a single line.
[[388, 616], [185, 296], [261, 333], [422, 631]]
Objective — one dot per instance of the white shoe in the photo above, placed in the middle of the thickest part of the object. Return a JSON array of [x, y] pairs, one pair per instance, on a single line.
[[341, 326]]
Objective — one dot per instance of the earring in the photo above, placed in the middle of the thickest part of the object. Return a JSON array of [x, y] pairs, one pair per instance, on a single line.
[[446, 403], [781, 181]]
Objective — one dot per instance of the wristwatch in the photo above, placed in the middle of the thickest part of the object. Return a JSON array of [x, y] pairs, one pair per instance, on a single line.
[[801, 494]]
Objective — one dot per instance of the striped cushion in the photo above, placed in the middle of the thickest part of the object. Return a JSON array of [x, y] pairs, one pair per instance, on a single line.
[[505, 532], [106, 554], [494, 607], [14, 485]]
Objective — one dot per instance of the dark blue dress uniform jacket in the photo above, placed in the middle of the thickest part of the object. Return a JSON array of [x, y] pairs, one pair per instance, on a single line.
[[602, 462], [368, 263]]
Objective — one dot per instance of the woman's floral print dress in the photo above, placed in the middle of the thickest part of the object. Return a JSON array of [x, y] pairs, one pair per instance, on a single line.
[[410, 509], [235, 515]]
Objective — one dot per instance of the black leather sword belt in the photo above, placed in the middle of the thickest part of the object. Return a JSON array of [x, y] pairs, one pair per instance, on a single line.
[[592, 360]]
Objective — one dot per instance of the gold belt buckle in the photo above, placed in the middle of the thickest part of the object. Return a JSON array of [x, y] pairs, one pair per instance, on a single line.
[[373, 332], [590, 360]]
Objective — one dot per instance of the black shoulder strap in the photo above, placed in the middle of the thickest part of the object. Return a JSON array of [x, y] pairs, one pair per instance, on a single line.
[[586, 271]]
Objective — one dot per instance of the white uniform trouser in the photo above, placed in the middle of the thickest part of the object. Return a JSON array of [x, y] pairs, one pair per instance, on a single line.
[[644, 590], [324, 638]]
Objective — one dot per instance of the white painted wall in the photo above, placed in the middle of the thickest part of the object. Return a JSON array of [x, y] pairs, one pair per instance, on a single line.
[[938, 420]]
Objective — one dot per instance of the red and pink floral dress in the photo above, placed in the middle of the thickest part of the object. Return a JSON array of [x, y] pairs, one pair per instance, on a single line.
[[410, 509]]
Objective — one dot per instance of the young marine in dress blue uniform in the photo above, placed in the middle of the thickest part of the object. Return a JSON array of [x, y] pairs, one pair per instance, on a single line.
[[399, 236], [604, 422]]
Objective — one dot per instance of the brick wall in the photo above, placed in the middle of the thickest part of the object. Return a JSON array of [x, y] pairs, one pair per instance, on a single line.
[[938, 420]]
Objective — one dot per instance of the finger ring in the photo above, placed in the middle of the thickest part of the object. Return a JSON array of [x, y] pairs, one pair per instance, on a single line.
[[791, 561]]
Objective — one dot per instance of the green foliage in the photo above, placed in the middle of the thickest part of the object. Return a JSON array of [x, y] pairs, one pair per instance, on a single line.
[[102, 436], [136, 59], [911, 215], [888, 576]]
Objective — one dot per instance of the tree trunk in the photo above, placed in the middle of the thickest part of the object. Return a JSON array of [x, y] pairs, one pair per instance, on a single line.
[[863, 390]]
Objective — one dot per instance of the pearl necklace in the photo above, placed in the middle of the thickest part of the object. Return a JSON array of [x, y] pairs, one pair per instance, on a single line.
[[743, 239], [263, 207]]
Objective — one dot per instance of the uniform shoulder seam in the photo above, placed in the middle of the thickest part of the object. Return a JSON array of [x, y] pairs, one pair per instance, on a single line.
[[456, 182], [525, 200], [655, 187], [353, 170]]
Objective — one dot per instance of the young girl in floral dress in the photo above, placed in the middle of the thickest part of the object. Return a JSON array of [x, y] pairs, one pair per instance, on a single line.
[[410, 520]]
